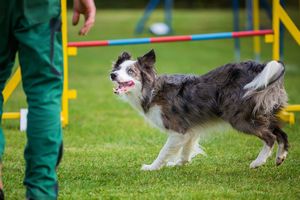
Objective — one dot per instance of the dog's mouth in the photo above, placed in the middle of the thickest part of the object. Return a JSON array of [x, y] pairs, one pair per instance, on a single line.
[[123, 87]]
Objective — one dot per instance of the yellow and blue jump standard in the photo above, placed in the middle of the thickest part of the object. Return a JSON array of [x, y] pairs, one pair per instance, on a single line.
[[253, 23], [68, 94]]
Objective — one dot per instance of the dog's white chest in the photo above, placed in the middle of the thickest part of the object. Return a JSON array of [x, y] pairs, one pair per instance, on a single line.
[[154, 117]]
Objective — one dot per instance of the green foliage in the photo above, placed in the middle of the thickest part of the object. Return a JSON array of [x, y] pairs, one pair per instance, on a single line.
[[107, 141]]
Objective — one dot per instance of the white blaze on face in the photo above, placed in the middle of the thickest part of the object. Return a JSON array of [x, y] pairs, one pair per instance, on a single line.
[[122, 74], [125, 82]]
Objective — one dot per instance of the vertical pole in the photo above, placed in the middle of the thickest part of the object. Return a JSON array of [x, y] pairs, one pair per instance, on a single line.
[[275, 27], [256, 39], [281, 30], [249, 21], [65, 100], [237, 49]]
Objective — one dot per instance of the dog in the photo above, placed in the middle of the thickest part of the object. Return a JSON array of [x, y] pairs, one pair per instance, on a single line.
[[247, 95]]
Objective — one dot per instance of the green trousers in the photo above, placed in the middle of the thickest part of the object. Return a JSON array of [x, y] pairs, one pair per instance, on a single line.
[[32, 28]]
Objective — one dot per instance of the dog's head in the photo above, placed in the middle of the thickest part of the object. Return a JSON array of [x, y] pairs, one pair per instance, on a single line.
[[133, 75]]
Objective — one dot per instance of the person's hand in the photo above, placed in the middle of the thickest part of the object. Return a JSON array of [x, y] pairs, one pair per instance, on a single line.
[[88, 9]]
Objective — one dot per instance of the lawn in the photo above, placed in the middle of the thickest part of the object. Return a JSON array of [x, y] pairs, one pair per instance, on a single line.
[[107, 141]]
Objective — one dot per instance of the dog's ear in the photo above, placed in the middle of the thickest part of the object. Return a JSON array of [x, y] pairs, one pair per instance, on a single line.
[[148, 59], [124, 56]]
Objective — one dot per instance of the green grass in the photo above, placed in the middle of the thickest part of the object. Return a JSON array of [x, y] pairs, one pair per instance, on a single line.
[[107, 141]]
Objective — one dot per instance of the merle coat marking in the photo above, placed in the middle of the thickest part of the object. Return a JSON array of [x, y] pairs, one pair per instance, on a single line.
[[247, 95]]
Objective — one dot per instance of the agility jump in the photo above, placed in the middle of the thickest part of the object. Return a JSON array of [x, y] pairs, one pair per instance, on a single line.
[[271, 36], [70, 49], [181, 38]]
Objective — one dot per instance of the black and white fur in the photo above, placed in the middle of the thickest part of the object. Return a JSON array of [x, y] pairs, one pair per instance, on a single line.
[[247, 95]]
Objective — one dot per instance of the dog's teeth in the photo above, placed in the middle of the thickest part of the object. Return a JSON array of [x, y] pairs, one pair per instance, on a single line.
[[115, 90]]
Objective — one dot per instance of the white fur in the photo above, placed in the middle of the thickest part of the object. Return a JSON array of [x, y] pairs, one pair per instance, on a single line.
[[154, 117], [134, 96], [188, 151], [172, 147], [271, 70], [271, 97], [262, 157], [122, 73], [281, 153]]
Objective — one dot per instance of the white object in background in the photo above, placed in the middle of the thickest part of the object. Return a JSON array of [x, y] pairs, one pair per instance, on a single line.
[[159, 28], [23, 119]]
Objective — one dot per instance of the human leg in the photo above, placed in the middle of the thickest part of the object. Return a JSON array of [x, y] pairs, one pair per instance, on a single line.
[[40, 55]]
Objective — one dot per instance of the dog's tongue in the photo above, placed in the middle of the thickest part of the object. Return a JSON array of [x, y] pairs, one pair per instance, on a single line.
[[123, 87]]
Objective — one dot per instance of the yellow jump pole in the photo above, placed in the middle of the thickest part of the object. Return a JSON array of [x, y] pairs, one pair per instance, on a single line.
[[8, 90], [256, 23], [276, 32], [65, 98], [279, 14], [12, 84]]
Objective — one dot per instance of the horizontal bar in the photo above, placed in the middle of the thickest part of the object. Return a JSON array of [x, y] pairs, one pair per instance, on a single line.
[[128, 41], [213, 36], [287, 117], [293, 108], [88, 43], [251, 33], [171, 38], [180, 38], [11, 115]]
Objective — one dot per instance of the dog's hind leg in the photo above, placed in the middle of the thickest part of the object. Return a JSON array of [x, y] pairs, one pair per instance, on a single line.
[[283, 145], [172, 147], [260, 130], [269, 140]]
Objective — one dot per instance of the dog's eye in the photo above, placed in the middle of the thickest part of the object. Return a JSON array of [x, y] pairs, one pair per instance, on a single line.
[[130, 71]]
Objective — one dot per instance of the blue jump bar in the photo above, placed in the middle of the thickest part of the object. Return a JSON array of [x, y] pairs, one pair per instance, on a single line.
[[211, 36], [128, 41]]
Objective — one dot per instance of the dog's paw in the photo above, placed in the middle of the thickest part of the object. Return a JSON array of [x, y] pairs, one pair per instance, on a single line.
[[177, 163], [149, 167], [196, 151], [256, 164], [281, 158], [171, 164]]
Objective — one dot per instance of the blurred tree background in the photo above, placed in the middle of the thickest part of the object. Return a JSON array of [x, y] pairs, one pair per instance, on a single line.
[[184, 4]]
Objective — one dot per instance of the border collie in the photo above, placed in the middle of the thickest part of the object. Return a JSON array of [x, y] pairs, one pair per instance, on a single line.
[[247, 95]]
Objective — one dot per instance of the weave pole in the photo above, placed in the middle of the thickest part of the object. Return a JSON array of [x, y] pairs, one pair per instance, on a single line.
[[180, 38]]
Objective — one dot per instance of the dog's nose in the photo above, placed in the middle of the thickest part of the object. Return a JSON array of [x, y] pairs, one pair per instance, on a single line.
[[113, 76]]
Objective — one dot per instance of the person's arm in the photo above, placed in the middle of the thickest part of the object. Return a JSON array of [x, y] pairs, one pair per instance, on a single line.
[[88, 9]]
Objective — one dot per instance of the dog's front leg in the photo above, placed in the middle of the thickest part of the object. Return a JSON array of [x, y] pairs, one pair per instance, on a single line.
[[174, 143]]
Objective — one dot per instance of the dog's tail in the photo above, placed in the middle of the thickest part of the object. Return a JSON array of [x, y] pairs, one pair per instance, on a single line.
[[267, 88], [270, 74]]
